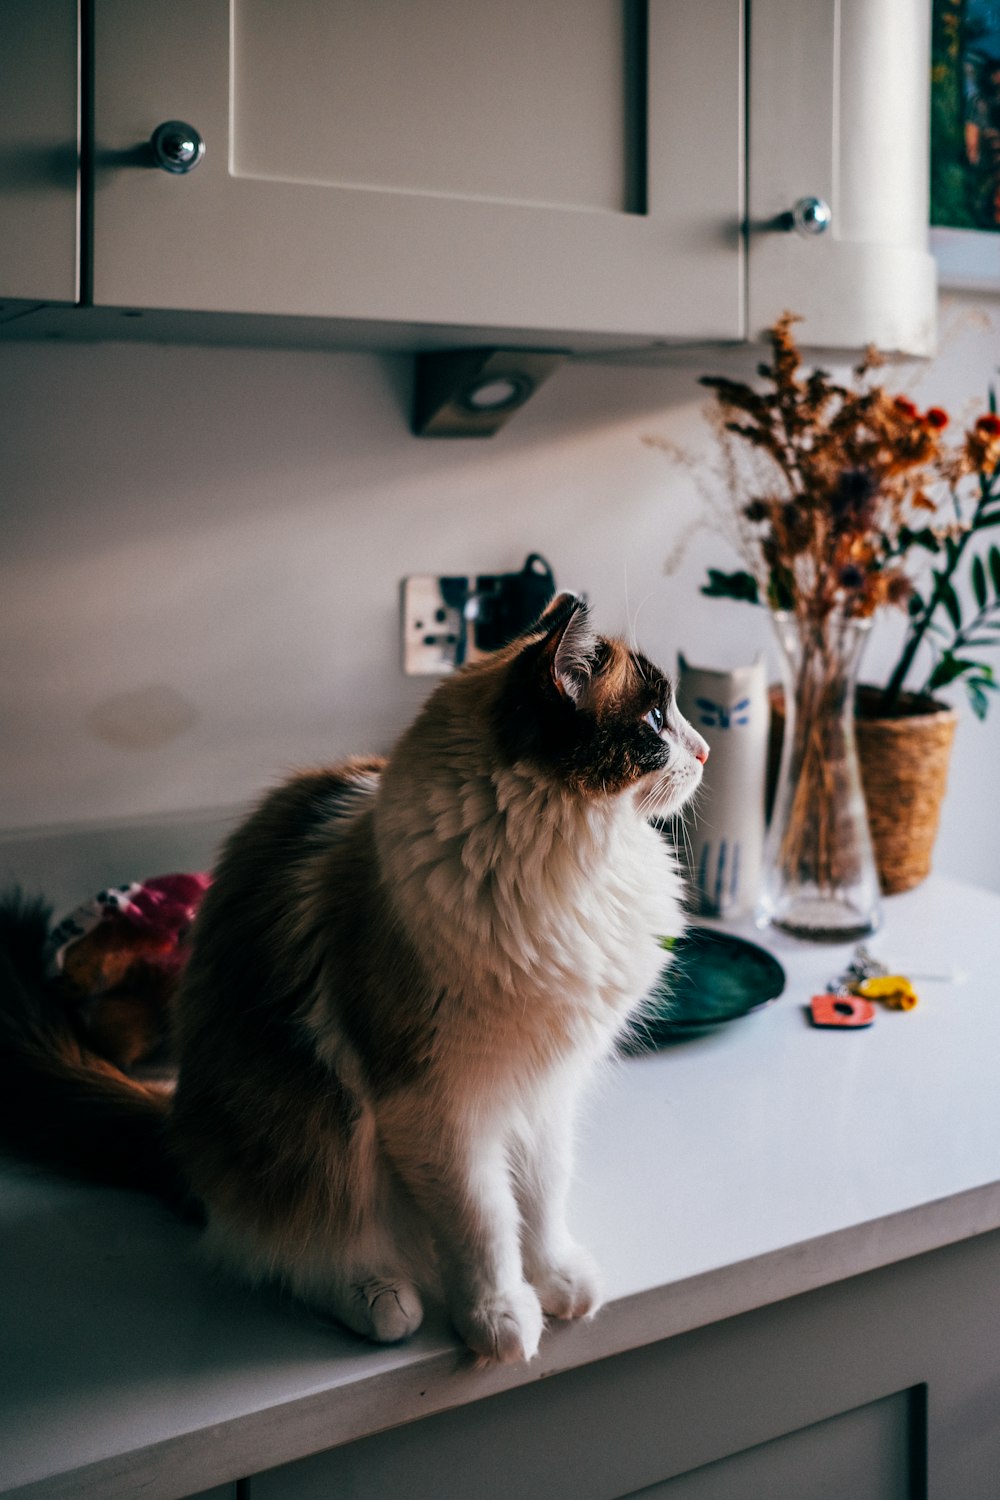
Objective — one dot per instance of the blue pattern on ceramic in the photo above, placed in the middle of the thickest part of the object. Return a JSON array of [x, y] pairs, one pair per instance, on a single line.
[[717, 716], [719, 872]]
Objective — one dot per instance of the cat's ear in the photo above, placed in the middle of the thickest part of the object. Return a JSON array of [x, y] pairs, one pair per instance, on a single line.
[[571, 646]]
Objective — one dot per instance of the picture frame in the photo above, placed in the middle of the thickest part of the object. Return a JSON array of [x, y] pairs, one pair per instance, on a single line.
[[968, 260], [965, 144]]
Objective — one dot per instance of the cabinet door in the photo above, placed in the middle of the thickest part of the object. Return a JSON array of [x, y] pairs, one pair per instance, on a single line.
[[574, 167], [839, 99], [885, 1386], [39, 153]]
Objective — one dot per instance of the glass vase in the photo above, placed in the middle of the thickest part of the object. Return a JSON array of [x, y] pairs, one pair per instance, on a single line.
[[819, 880]]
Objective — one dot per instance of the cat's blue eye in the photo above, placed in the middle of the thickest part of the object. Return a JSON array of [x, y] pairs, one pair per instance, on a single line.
[[654, 719]]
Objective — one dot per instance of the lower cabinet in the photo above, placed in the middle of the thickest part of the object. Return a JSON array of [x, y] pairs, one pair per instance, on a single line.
[[881, 1387]]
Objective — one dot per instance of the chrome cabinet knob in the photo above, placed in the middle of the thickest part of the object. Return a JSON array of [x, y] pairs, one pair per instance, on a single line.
[[176, 147], [810, 216]]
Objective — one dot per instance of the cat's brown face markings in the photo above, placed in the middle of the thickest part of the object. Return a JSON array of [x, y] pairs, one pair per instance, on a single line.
[[601, 731]]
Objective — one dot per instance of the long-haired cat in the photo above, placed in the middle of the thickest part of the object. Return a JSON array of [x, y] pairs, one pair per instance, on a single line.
[[401, 978]]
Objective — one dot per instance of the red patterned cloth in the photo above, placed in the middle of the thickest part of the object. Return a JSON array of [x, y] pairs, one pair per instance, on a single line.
[[130, 935]]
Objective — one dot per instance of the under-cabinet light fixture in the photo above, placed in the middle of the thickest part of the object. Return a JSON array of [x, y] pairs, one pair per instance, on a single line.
[[473, 392]]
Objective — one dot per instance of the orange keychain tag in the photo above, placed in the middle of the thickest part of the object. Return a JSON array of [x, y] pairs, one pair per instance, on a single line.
[[841, 1011]]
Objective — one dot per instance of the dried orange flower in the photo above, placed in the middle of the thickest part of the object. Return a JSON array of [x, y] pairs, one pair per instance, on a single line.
[[847, 481]]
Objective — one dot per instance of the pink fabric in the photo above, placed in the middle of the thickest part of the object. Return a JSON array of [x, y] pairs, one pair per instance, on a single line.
[[163, 904], [147, 920]]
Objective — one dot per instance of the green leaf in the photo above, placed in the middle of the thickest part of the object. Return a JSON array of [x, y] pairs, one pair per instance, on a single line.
[[948, 597], [915, 604], [781, 588], [923, 538], [994, 556], [740, 585], [978, 701], [979, 687], [979, 588], [982, 521], [947, 669]]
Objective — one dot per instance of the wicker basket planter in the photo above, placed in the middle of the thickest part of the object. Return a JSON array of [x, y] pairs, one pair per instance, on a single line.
[[904, 768]]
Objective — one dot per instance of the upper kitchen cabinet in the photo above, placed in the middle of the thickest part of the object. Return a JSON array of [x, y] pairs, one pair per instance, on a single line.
[[39, 154], [567, 173], [839, 111], [560, 174]]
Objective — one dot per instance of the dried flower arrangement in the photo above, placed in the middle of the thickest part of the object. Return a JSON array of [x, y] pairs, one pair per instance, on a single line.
[[848, 487], [849, 499]]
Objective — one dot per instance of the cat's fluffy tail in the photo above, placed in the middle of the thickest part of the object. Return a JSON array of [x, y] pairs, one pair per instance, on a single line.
[[61, 1105]]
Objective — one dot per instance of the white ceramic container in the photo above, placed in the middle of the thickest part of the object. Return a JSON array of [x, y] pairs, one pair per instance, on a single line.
[[725, 827]]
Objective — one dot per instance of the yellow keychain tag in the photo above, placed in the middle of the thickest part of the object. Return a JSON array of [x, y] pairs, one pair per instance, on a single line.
[[893, 990]]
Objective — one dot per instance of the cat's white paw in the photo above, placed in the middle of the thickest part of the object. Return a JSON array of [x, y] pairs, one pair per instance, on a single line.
[[386, 1309], [569, 1287], [504, 1328]]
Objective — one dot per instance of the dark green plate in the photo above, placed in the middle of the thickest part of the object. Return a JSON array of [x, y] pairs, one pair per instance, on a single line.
[[713, 978]]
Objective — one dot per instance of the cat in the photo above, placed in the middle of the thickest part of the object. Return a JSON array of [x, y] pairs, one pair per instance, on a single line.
[[400, 980]]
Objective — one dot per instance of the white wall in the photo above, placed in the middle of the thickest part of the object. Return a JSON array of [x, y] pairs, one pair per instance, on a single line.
[[202, 548]]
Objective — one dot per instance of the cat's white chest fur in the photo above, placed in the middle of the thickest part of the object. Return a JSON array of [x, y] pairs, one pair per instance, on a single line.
[[551, 907]]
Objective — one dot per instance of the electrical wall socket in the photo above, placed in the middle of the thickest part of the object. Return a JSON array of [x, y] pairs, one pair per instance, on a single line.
[[449, 621], [432, 627]]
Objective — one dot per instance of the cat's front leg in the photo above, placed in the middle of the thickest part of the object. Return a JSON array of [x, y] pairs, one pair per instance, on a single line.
[[563, 1273], [460, 1177]]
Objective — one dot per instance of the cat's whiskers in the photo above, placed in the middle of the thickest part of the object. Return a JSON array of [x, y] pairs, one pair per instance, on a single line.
[[647, 802], [657, 796], [681, 825], [643, 803], [632, 620], [651, 805]]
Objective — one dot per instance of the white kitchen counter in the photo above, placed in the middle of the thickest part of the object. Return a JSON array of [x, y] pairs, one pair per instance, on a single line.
[[723, 1174]]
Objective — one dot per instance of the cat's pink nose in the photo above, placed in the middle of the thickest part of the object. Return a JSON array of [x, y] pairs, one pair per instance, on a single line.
[[701, 753]]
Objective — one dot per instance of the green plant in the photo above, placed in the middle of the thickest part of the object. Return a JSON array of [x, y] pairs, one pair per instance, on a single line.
[[854, 501]]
